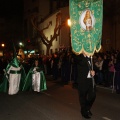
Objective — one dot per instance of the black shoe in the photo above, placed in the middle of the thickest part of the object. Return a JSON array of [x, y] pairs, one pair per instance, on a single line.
[[86, 116], [89, 113]]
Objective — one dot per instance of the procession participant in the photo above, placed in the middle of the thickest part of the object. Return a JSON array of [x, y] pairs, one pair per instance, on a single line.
[[86, 89], [85, 42], [35, 79], [13, 78]]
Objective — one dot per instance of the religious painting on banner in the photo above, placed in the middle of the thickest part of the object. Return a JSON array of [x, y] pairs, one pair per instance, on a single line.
[[86, 25]]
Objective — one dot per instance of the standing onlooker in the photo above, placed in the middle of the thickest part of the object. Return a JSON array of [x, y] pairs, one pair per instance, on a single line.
[[117, 74], [67, 68], [44, 59], [105, 70], [111, 71], [55, 62], [63, 69], [48, 65], [99, 65], [3, 64], [74, 71]]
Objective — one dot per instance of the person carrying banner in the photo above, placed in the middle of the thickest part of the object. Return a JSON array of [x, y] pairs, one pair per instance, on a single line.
[[86, 33], [86, 90]]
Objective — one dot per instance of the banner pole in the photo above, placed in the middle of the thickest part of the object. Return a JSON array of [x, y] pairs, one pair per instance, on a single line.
[[93, 80]]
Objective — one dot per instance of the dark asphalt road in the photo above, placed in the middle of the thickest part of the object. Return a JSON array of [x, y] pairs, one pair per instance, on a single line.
[[57, 103]]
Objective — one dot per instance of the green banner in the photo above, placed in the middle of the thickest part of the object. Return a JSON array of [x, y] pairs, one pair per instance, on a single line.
[[86, 25]]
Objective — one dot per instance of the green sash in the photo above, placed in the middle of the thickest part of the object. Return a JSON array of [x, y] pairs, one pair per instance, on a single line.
[[15, 72]]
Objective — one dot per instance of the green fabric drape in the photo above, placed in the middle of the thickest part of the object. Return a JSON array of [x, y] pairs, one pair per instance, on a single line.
[[5, 84], [28, 81], [86, 36]]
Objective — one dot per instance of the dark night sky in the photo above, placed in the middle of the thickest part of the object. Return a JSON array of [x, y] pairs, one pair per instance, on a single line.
[[12, 13], [11, 7]]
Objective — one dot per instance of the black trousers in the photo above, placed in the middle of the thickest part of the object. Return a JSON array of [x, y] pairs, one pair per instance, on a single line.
[[87, 95]]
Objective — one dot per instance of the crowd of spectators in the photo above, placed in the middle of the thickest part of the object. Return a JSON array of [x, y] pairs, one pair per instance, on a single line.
[[63, 65]]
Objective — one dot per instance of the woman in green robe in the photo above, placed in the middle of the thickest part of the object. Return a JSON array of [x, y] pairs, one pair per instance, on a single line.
[[35, 79]]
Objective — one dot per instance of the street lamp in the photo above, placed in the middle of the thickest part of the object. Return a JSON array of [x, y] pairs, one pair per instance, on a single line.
[[3, 45], [20, 44], [69, 22]]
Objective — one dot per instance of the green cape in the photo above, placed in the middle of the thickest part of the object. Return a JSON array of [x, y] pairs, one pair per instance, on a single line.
[[5, 84], [28, 81]]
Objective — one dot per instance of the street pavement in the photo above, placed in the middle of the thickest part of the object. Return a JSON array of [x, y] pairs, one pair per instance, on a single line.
[[58, 102]]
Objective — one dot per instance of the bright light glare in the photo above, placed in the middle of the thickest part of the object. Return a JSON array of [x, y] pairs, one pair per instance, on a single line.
[[20, 44], [3, 45], [69, 22]]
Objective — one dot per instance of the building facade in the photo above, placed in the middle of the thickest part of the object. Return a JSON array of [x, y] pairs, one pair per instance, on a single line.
[[48, 9], [57, 34]]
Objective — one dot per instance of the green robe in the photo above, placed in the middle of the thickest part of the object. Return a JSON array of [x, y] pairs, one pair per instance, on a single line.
[[4, 86], [28, 80]]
